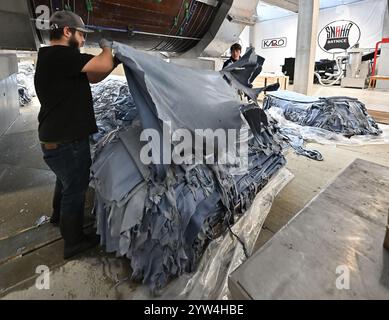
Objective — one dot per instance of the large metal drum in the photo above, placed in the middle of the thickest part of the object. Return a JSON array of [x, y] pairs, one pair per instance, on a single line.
[[161, 25]]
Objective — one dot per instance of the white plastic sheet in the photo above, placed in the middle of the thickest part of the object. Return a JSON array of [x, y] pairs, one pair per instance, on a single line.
[[25, 76]]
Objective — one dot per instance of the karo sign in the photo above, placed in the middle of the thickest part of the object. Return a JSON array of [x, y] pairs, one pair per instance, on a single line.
[[340, 34], [274, 43]]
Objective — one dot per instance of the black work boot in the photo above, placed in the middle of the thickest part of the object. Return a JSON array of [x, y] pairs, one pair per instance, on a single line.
[[54, 219], [75, 240], [87, 242]]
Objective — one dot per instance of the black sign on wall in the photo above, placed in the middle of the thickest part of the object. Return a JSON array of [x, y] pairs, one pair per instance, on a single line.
[[274, 43], [339, 34]]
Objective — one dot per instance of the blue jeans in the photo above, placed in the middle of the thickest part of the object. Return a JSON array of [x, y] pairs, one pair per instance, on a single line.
[[71, 163]]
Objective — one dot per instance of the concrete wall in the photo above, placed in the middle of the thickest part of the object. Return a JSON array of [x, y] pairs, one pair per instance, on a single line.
[[244, 39], [9, 96]]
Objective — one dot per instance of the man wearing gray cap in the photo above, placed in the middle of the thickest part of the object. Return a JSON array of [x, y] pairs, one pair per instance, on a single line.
[[66, 119]]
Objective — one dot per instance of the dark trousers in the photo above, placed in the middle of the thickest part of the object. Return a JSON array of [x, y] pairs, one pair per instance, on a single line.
[[57, 198], [71, 163]]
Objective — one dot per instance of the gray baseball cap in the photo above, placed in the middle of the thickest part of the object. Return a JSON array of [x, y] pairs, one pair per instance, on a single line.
[[64, 18]]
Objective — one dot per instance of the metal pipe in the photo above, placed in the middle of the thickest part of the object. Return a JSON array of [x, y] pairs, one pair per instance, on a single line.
[[106, 28], [135, 32], [140, 32]]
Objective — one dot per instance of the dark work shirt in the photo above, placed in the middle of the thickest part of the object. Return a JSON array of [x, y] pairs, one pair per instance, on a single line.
[[228, 62], [66, 112]]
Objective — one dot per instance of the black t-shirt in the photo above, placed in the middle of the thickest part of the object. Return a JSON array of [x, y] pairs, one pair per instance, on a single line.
[[64, 92], [229, 62]]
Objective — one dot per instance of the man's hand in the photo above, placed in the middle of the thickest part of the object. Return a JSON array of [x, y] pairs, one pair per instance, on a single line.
[[104, 43]]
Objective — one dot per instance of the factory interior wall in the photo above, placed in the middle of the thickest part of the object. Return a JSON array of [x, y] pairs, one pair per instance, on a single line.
[[244, 39], [368, 15]]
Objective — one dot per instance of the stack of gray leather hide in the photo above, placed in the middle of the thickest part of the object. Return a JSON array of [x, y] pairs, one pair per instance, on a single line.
[[162, 216], [344, 115], [113, 105]]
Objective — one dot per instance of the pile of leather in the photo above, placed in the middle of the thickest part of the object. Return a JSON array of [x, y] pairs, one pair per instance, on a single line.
[[113, 105], [343, 115], [163, 215]]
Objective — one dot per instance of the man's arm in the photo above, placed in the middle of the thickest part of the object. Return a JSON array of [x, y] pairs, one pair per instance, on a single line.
[[99, 67], [95, 77], [100, 64]]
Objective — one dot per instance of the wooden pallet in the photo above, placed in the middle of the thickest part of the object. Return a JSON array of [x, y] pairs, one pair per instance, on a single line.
[[379, 116], [373, 80]]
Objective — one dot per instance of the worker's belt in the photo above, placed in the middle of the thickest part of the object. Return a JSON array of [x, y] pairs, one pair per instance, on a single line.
[[50, 146], [55, 145]]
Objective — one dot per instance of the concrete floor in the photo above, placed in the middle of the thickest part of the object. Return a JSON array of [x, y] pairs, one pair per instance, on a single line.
[[26, 189], [25, 180], [343, 227]]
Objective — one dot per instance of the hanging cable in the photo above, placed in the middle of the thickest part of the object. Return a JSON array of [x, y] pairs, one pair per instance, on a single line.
[[89, 9], [175, 24], [67, 6], [339, 75]]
